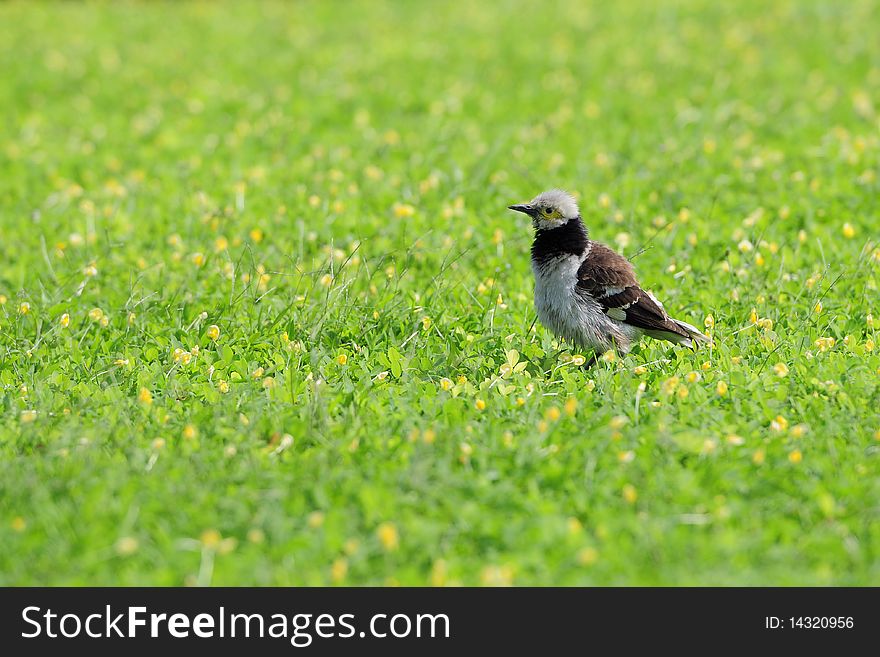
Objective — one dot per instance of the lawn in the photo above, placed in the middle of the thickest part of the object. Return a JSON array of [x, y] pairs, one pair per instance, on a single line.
[[265, 318]]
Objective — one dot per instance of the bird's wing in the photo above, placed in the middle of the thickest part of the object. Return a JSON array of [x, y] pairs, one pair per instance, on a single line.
[[609, 278]]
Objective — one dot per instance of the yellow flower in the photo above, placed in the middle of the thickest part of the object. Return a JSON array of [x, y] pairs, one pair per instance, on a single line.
[[126, 545], [429, 436], [445, 384], [28, 416], [626, 457], [221, 244], [848, 231], [403, 210], [388, 536], [24, 308], [480, 405], [553, 413], [781, 370], [95, 314], [818, 307], [213, 332], [426, 323], [104, 321], [588, 556], [258, 373], [618, 422], [869, 345], [721, 388], [779, 424], [158, 443], [759, 456], [91, 270], [3, 299], [222, 386], [121, 362], [269, 382], [609, 356], [315, 519], [190, 432], [256, 235], [692, 377], [520, 401], [145, 396], [571, 405], [795, 456], [339, 570], [709, 322], [670, 385], [639, 370], [461, 380], [64, 321], [211, 538], [342, 359], [198, 259], [799, 430], [630, 494], [578, 360], [131, 318]]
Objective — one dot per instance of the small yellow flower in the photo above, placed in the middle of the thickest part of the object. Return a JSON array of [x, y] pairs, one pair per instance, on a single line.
[[781, 370], [190, 432], [90, 270], [553, 413], [571, 405], [213, 332], [3, 299], [848, 231], [709, 322], [578, 360], [626, 457], [670, 385], [426, 323], [778, 424], [315, 519], [639, 370], [28, 416], [104, 322], [121, 362], [795, 456], [339, 570], [258, 373], [429, 436], [64, 321], [95, 314], [256, 235], [818, 307], [445, 384], [480, 405], [403, 210], [799, 430], [211, 538], [759, 456], [869, 345], [388, 536], [706, 366], [342, 359], [692, 377], [222, 386], [520, 401], [630, 494], [145, 396], [721, 388], [24, 308], [745, 246], [126, 545], [588, 556], [131, 318], [618, 422], [609, 357], [269, 382], [158, 443]]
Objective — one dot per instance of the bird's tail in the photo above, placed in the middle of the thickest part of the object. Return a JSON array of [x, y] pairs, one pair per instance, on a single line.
[[695, 335]]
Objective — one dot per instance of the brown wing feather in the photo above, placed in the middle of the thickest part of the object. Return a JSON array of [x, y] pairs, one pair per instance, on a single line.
[[609, 278]]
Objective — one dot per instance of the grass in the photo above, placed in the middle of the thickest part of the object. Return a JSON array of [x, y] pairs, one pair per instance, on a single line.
[[326, 183]]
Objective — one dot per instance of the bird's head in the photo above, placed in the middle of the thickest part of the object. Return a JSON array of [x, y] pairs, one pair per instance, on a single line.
[[550, 210]]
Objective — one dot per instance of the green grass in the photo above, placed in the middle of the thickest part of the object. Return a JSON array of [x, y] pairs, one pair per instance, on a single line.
[[330, 179]]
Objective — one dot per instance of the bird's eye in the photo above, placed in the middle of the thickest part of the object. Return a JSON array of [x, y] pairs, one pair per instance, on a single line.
[[547, 211]]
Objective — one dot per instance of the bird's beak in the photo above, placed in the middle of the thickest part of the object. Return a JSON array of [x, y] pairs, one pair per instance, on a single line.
[[525, 208]]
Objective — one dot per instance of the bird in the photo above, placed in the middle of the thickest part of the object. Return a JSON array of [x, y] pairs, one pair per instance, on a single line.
[[585, 292]]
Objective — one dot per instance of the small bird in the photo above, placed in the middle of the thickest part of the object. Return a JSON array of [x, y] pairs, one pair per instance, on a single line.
[[585, 292]]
